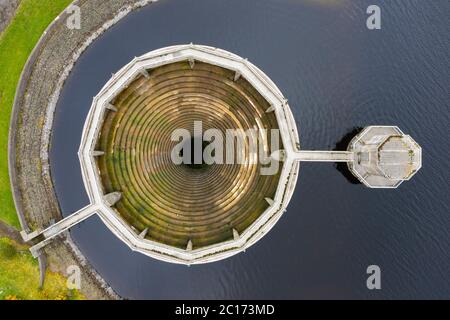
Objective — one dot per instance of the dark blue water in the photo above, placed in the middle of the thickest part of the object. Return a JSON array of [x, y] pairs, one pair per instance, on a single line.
[[337, 75]]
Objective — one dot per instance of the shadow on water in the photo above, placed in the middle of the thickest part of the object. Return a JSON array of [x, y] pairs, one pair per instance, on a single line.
[[342, 144]]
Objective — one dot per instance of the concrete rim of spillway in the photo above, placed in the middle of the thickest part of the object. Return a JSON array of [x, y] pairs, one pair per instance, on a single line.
[[103, 204]]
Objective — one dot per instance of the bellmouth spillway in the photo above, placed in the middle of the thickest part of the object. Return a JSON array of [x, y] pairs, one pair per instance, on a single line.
[[197, 214]]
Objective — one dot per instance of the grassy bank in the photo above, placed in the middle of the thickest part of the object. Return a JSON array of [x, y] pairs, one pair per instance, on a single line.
[[19, 276], [16, 44]]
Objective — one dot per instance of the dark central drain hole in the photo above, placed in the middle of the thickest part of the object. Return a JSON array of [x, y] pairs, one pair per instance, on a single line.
[[196, 154]]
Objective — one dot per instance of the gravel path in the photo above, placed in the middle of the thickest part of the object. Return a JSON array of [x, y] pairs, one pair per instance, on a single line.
[[7, 10], [9, 232]]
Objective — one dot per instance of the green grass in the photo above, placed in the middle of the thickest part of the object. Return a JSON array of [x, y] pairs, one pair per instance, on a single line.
[[19, 277], [16, 44]]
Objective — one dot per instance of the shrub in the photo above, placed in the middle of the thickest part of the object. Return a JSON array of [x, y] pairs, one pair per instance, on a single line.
[[7, 250]]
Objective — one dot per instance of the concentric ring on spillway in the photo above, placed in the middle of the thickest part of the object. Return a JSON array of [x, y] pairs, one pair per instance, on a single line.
[[178, 203], [188, 215]]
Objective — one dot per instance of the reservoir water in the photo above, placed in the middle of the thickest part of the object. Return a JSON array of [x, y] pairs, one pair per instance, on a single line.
[[338, 76]]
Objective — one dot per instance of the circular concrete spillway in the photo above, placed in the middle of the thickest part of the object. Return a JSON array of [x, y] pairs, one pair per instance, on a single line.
[[178, 203], [180, 212]]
